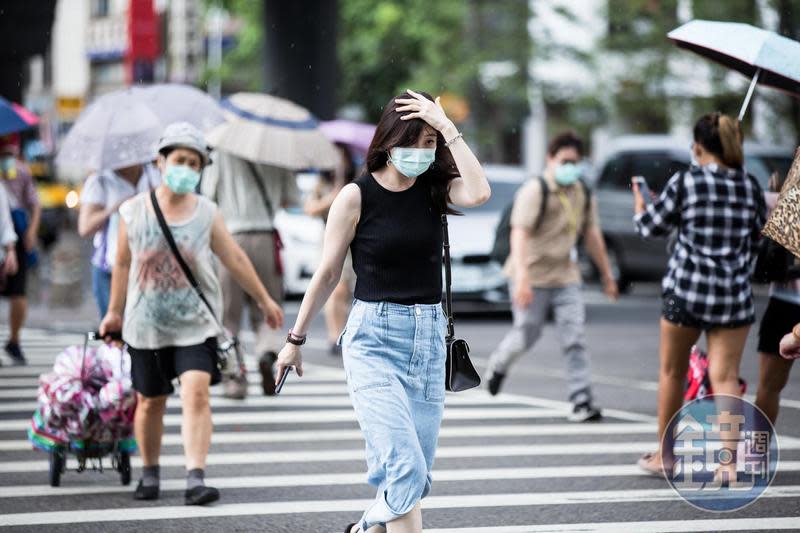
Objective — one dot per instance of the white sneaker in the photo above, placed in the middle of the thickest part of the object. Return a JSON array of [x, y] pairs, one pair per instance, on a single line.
[[584, 412]]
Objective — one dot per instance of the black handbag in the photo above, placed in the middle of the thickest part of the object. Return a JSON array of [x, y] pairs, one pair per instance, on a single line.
[[460, 374], [773, 263], [227, 345]]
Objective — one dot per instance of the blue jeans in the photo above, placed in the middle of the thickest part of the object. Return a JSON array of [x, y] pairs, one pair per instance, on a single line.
[[101, 288], [394, 357]]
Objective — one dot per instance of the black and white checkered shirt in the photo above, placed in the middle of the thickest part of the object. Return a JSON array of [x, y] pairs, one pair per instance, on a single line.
[[719, 215]]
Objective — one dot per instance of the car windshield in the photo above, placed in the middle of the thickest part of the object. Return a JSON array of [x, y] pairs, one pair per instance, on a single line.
[[502, 195]]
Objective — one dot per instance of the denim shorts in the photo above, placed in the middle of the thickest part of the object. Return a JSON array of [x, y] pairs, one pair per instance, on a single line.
[[394, 359]]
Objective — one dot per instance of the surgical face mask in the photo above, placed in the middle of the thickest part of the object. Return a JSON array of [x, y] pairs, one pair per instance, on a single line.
[[567, 174], [411, 162], [181, 179]]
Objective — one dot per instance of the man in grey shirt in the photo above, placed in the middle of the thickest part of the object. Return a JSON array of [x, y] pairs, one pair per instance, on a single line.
[[249, 195]]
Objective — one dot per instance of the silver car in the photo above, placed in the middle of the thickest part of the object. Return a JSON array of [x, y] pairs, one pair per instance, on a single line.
[[657, 158]]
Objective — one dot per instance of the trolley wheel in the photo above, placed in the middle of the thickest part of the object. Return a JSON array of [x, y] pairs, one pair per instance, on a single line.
[[57, 462], [124, 468]]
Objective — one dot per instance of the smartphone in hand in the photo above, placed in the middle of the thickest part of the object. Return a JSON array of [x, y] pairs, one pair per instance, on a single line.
[[643, 188], [282, 380]]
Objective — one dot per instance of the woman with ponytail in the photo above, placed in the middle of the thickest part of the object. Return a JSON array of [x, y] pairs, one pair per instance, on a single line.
[[718, 211]]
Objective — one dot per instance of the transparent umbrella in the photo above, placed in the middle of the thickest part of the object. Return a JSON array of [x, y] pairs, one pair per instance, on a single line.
[[117, 130], [175, 102], [122, 128]]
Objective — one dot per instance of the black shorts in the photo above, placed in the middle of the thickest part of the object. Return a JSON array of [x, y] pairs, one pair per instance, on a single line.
[[778, 320], [15, 285], [674, 309], [152, 371]]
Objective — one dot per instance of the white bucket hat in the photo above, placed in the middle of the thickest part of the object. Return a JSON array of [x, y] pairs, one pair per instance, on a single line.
[[184, 135]]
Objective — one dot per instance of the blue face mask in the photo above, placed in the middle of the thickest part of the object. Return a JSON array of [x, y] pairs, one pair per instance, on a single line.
[[181, 179], [411, 162], [567, 174]]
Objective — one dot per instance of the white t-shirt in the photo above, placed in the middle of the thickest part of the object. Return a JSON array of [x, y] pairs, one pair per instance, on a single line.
[[108, 189]]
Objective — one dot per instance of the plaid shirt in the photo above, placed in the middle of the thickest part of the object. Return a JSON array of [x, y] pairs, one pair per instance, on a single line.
[[719, 215]]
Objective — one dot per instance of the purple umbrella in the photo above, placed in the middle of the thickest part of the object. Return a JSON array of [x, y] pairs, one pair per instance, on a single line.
[[355, 135]]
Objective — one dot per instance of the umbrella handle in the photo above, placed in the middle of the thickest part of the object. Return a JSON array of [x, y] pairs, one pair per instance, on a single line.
[[750, 92]]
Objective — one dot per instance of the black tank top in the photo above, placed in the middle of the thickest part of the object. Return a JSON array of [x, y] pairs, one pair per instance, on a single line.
[[397, 248]]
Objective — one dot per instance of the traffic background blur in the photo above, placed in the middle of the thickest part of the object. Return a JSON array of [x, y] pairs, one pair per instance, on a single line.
[[510, 72]]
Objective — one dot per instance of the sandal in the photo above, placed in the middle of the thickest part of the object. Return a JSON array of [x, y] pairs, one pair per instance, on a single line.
[[645, 462]]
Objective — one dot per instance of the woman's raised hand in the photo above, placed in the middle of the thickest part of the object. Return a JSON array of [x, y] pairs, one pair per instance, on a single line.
[[422, 108]]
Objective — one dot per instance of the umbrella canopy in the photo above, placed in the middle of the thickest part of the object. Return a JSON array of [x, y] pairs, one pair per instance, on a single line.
[[175, 102], [122, 128], [270, 130], [355, 135], [765, 56], [117, 130], [10, 119]]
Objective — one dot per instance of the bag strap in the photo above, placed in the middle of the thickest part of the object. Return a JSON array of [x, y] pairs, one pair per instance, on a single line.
[[178, 257], [447, 279], [261, 190], [545, 193]]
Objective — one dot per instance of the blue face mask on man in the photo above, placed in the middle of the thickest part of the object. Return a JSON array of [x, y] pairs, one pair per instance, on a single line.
[[567, 174], [411, 162], [181, 179]]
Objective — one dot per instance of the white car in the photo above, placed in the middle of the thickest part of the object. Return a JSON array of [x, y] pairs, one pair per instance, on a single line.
[[478, 281], [302, 241]]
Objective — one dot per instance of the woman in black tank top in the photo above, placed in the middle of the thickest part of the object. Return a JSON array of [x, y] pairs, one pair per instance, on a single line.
[[393, 343]]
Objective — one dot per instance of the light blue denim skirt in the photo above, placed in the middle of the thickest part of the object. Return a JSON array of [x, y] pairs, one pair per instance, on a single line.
[[394, 359]]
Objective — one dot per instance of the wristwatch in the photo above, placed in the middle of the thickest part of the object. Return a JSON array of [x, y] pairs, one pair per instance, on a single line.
[[297, 340]]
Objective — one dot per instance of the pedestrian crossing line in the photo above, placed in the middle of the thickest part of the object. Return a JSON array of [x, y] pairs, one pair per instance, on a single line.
[[567, 406], [314, 373], [462, 501], [339, 400], [327, 435], [338, 455], [330, 416], [33, 380], [353, 478], [661, 526]]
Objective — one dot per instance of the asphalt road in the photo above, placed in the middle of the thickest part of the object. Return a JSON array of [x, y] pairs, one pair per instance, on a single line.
[[509, 464]]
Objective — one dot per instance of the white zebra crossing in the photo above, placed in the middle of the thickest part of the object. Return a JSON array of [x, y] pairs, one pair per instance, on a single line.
[[476, 430]]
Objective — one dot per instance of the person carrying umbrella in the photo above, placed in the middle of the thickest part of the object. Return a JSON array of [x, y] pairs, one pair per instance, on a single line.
[[102, 194], [249, 195], [26, 213], [169, 330]]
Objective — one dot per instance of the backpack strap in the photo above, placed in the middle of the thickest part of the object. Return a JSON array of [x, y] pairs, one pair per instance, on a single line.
[[545, 192], [587, 202]]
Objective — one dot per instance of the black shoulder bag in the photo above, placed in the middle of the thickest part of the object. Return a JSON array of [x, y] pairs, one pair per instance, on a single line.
[[227, 346], [460, 375]]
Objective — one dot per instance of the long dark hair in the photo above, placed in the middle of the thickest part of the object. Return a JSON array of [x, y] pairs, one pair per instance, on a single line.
[[392, 132], [720, 135]]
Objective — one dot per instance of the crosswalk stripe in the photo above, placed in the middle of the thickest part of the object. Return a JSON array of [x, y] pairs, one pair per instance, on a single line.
[[354, 478], [497, 431], [329, 416], [443, 452], [463, 501], [659, 526]]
